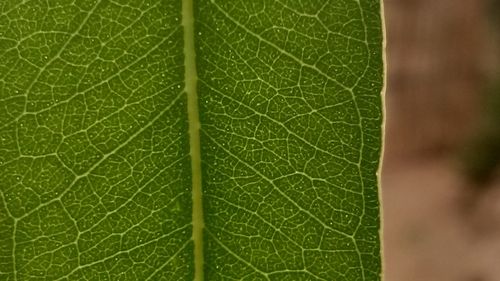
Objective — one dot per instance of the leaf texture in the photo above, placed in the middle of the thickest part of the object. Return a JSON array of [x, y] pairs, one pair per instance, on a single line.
[[95, 166]]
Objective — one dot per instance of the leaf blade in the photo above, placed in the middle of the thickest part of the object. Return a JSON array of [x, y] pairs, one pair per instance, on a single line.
[[96, 183], [95, 168], [288, 183]]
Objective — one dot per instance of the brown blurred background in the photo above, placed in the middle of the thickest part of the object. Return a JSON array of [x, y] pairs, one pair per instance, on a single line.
[[440, 176]]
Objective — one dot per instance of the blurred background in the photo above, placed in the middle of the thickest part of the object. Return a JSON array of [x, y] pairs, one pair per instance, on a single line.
[[441, 168]]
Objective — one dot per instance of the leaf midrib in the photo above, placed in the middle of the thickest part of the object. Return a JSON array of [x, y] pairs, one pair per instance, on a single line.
[[190, 80]]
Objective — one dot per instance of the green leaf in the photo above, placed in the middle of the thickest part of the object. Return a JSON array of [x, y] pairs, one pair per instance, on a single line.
[[215, 140]]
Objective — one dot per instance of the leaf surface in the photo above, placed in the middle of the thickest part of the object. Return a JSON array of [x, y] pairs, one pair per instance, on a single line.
[[98, 140]]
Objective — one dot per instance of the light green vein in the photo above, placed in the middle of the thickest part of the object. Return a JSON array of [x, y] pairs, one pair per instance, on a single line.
[[191, 77]]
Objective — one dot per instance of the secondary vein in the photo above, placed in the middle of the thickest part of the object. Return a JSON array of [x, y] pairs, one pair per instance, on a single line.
[[190, 79]]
